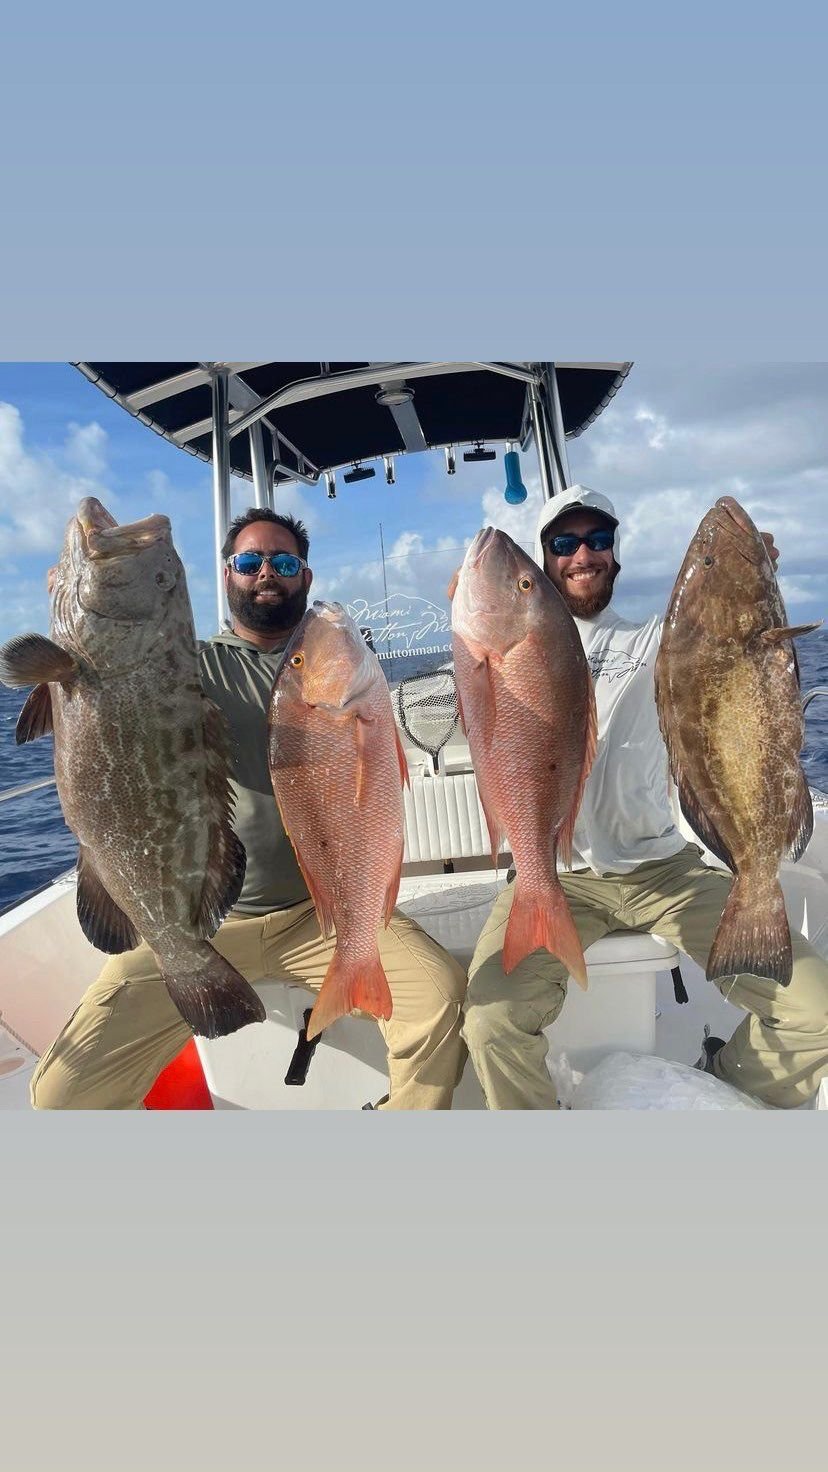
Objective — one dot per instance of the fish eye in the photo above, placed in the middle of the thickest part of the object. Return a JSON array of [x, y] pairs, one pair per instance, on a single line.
[[708, 561], [297, 660], [525, 584]]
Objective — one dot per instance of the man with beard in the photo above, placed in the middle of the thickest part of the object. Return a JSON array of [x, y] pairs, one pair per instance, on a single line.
[[126, 1029], [631, 867]]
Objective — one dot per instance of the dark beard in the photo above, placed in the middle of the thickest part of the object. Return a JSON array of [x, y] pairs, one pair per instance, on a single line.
[[588, 607], [266, 618]]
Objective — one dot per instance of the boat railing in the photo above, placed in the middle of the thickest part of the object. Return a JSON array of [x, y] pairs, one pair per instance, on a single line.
[[9, 793], [25, 787]]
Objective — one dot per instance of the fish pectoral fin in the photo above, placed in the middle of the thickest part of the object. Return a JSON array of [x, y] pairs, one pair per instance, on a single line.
[[802, 821], [35, 718], [701, 824], [104, 923], [32, 659], [480, 698], [792, 631], [227, 860], [361, 759]]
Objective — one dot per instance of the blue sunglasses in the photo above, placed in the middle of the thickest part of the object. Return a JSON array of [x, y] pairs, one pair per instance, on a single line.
[[248, 564], [567, 543]]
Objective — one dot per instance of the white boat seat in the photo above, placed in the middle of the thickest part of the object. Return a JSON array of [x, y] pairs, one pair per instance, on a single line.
[[623, 949], [617, 1012]]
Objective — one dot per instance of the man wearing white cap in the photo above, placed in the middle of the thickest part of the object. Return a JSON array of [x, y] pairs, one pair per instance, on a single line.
[[631, 867]]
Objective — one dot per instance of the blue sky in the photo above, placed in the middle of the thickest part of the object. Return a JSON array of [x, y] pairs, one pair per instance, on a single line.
[[673, 440]]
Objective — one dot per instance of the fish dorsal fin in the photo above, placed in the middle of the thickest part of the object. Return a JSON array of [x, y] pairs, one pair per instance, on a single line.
[[452, 587], [402, 759], [688, 802], [226, 858], [32, 659], [700, 823], [793, 631], [802, 821], [477, 714], [393, 888], [460, 715], [590, 745], [35, 718], [102, 921]]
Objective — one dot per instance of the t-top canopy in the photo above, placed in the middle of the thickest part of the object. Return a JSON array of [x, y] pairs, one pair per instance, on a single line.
[[322, 416]]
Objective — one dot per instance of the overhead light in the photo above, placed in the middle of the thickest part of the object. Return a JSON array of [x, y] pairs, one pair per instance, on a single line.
[[394, 394], [390, 473], [330, 481], [359, 472], [479, 453], [451, 463]]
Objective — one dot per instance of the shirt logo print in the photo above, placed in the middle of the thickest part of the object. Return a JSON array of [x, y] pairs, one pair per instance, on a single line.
[[613, 665]]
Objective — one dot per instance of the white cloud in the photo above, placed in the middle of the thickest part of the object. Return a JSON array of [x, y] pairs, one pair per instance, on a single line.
[[85, 447], [160, 487], [39, 491], [665, 453]]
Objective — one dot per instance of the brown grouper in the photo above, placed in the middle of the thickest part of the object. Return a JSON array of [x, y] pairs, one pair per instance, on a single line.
[[727, 690], [140, 759], [528, 709], [337, 768]]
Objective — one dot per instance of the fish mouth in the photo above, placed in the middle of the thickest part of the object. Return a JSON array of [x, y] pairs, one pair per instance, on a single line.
[[734, 521], [102, 538], [483, 543], [736, 513]]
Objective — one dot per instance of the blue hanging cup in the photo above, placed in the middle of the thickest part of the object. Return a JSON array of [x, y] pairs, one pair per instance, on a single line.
[[515, 491]]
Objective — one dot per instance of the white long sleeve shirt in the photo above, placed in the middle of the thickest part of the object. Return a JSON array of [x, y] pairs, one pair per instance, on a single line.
[[625, 817]]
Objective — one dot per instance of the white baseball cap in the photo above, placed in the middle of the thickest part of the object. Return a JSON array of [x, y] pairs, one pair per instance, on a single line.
[[572, 499]]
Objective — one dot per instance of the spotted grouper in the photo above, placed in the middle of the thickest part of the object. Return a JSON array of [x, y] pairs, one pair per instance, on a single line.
[[337, 768], [140, 759], [528, 709], [727, 690]]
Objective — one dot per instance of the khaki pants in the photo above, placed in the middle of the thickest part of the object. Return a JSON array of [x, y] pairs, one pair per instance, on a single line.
[[779, 1053], [126, 1029]]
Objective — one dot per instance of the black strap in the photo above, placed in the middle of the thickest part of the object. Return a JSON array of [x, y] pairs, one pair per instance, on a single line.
[[303, 1052], [678, 985]]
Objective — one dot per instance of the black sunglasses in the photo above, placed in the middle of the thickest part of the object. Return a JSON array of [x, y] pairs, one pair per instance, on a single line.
[[567, 543], [248, 564]]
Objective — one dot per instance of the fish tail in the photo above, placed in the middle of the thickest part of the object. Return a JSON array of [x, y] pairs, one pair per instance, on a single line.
[[543, 921], [349, 985], [214, 999], [753, 934]]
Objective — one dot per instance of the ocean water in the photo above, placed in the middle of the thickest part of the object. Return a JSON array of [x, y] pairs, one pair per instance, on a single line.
[[36, 846]]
